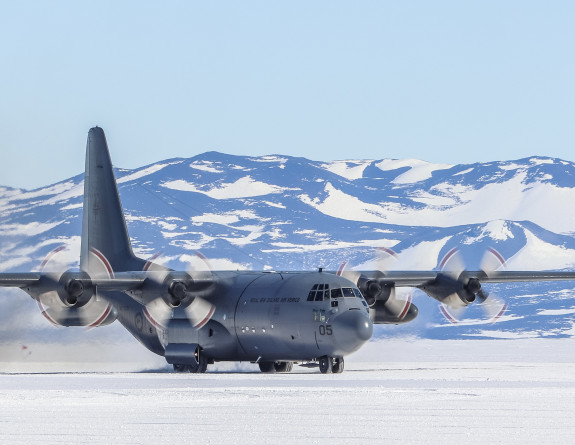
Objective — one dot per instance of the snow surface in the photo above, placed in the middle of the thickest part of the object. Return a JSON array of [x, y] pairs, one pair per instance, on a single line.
[[539, 255], [206, 166], [144, 172], [418, 170], [341, 205], [405, 391], [448, 205], [347, 169], [245, 187]]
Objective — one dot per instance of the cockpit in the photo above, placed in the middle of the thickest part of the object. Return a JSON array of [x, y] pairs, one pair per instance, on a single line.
[[318, 292], [322, 292]]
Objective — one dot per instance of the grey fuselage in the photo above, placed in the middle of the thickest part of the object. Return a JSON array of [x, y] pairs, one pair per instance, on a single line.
[[263, 316]]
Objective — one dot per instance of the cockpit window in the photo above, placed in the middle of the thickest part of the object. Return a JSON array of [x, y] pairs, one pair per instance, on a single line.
[[357, 293], [348, 292], [319, 292], [343, 292], [336, 293]]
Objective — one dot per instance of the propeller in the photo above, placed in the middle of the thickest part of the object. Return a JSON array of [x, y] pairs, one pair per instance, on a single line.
[[379, 294], [179, 295], [69, 298], [375, 288], [469, 288]]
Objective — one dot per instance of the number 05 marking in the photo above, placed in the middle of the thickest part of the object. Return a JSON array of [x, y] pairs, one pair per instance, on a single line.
[[325, 330]]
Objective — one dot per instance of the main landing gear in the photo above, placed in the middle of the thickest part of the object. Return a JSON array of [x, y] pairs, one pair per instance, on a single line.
[[197, 368], [328, 365], [271, 367]]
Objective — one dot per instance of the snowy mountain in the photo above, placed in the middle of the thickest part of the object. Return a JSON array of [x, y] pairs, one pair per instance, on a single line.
[[286, 213]]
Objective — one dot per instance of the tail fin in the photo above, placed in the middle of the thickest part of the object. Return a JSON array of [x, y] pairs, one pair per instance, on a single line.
[[105, 237]]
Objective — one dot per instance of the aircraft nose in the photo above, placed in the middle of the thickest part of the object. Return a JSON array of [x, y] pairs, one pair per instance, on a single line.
[[351, 330]]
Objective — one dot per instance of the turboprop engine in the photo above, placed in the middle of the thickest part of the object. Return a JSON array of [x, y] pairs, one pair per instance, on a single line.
[[71, 299], [384, 306]]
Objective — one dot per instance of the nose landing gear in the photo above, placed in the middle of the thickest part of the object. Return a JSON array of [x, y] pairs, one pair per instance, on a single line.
[[329, 365]]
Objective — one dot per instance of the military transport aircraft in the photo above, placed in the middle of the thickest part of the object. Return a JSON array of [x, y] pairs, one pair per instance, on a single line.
[[274, 319]]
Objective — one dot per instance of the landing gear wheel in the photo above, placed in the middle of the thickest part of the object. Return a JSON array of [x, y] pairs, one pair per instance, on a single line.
[[337, 367], [283, 366], [180, 368], [267, 367], [326, 364], [202, 365]]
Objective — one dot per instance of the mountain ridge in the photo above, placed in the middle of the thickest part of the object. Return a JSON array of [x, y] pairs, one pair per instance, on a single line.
[[290, 213]]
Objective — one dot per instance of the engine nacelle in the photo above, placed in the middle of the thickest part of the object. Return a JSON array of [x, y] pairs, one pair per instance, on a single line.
[[173, 287], [375, 290], [457, 293], [380, 314]]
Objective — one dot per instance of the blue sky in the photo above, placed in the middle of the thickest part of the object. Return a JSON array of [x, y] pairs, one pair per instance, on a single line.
[[443, 81]]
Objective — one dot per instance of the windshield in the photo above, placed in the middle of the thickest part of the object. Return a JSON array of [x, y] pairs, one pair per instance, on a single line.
[[345, 292]]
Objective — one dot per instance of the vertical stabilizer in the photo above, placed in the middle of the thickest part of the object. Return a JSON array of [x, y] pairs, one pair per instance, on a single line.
[[105, 238]]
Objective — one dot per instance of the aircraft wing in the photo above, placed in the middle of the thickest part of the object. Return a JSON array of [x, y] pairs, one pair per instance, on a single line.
[[414, 278], [19, 279], [122, 282], [72, 286], [455, 289], [517, 276]]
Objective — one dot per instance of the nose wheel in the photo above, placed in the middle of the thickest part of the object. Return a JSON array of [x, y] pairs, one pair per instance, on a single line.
[[329, 365]]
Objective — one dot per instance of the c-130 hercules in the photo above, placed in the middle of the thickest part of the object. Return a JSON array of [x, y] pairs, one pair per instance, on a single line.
[[197, 318]]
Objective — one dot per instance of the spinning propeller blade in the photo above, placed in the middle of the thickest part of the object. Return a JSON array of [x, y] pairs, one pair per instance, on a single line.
[[452, 308], [69, 298], [378, 292], [181, 295]]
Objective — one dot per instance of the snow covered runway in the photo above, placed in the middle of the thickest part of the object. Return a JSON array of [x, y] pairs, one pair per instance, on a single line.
[[418, 402]]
